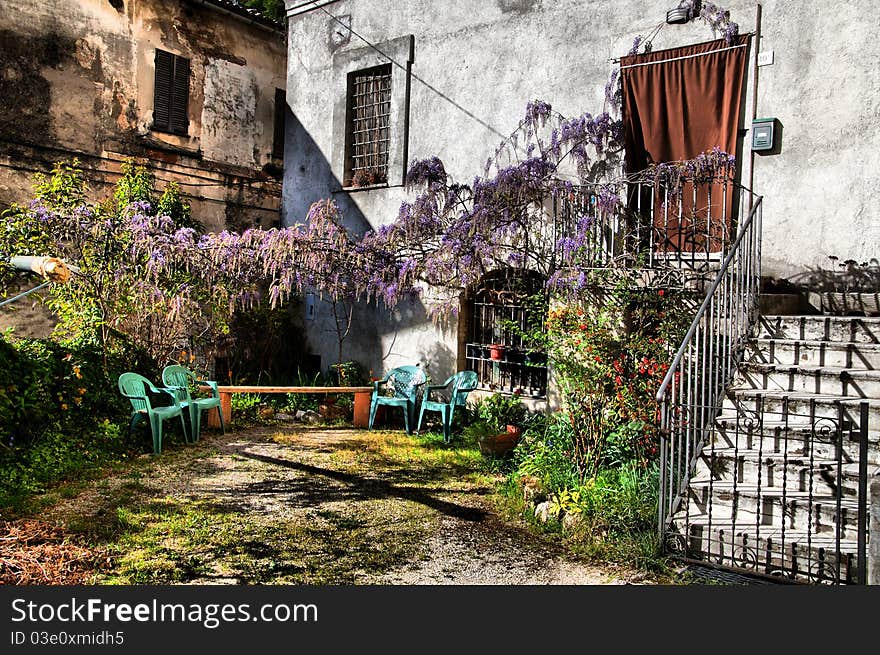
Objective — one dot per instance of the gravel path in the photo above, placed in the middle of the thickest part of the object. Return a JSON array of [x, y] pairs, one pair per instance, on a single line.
[[319, 506]]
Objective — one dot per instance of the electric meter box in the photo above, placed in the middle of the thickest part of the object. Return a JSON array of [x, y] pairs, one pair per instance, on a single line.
[[763, 133]]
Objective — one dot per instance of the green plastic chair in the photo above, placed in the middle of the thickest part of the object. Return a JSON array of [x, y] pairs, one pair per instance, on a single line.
[[462, 384], [135, 387], [402, 385], [179, 378]]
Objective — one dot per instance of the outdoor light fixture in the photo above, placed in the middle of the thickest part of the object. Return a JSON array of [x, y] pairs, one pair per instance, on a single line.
[[683, 13]]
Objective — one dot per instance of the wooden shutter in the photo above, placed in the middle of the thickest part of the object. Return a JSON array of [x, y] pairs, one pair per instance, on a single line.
[[171, 93], [179, 123], [162, 90]]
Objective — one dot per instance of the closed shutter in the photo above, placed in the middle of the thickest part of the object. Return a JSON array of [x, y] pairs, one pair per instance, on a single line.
[[171, 93], [180, 97], [162, 92]]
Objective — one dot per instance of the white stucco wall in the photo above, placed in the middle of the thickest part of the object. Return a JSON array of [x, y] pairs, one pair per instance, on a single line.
[[476, 65]]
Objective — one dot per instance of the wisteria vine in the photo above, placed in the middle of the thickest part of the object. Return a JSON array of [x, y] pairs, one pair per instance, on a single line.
[[442, 241]]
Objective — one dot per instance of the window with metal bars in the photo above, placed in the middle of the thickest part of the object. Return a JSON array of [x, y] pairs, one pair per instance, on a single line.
[[501, 311], [367, 126], [171, 94]]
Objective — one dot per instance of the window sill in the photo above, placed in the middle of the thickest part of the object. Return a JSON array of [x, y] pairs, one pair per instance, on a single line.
[[153, 141], [368, 187]]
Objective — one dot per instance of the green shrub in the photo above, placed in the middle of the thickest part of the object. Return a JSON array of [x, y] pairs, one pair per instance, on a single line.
[[54, 455], [545, 452], [500, 410], [60, 411]]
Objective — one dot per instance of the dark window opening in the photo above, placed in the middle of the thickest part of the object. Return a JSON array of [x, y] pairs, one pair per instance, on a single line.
[[280, 113], [508, 304], [171, 94], [367, 126]]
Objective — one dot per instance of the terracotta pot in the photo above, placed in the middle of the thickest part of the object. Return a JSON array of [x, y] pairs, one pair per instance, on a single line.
[[499, 444], [496, 352]]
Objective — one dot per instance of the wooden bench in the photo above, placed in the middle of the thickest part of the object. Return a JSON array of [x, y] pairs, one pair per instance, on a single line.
[[362, 397]]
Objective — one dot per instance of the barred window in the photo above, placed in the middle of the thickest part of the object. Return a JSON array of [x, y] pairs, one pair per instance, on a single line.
[[502, 309], [171, 94], [367, 128]]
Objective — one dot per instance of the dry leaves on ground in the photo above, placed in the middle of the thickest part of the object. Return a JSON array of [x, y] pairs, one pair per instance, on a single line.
[[37, 553]]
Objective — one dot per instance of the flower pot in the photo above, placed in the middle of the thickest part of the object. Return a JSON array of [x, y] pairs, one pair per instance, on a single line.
[[496, 352], [499, 444]]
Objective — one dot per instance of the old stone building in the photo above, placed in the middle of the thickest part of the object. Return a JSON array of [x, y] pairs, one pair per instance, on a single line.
[[193, 88]]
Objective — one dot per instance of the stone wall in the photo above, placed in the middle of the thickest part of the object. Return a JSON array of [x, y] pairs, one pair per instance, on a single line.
[[77, 78]]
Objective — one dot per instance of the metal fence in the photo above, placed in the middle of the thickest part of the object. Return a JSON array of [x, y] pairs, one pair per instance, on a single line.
[[780, 490], [656, 227]]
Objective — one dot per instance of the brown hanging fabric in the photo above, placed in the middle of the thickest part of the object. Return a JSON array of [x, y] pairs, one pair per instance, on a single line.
[[677, 104]]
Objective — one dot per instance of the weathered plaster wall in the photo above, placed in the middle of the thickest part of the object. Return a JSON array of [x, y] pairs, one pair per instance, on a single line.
[[230, 131], [820, 191], [476, 65], [76, 78]]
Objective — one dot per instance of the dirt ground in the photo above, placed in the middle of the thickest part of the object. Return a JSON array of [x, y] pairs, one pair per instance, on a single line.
[[295, 505]]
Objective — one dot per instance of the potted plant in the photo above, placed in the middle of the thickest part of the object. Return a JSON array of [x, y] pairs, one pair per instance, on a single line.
[[499, 423]]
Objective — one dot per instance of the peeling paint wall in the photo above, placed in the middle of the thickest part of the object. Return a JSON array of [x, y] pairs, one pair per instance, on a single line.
[[230, 131], [77, 79], [477, 64]]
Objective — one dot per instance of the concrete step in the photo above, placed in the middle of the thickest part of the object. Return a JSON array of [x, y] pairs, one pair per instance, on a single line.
[[846, 329], [774, 437], [802, 408], [814, 353], [747, 505], [820, 380], [772, 470], [768, 550]]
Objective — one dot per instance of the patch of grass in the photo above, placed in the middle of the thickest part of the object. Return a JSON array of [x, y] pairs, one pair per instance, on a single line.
[[173, 541]]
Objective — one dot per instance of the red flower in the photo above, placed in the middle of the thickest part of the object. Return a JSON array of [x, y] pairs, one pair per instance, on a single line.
[[661, 292]]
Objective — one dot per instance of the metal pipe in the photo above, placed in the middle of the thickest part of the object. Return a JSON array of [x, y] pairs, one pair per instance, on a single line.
[[26, 293]]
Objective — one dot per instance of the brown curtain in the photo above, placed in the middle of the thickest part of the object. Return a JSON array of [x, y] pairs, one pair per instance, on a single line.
[[678, 103]]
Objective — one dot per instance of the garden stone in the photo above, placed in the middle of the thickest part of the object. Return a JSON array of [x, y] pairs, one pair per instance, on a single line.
[[311, 418], [542, 511], [300, 415], [284, 417]]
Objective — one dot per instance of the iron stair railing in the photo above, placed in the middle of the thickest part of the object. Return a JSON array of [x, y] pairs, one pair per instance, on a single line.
[[690, 396]]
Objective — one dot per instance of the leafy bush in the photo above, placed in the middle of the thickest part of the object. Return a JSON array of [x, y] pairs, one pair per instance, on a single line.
[[55, 455], [60, 411], [545, 452], [499, 410], [44, 384]]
